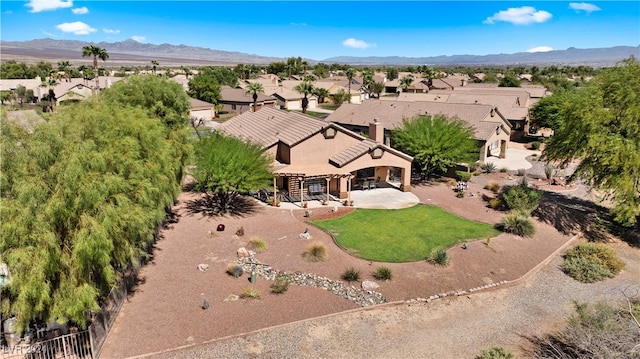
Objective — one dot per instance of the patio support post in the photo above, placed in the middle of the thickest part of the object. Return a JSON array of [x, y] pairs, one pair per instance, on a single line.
[[328, 181], [349, 188], [301, 192], [275, 190]]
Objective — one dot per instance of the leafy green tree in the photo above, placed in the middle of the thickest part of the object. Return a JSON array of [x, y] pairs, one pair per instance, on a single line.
[[601, 128], [436, 143], [227, 167], [81, 199], [509, 80], [392, 73], [547, 111], [205, 86], [43, 69], [254, 89], [161, 98], [305, 88], [321, 71], [98, 53], [17, 70], [340, 97], [276, 67]]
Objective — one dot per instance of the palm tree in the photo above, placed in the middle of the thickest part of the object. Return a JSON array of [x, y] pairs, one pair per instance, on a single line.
[[405, 82], [50, 82], [351, 72], [429, 74], [65, 66], [305, 88], [155, 64], [98, 53], [322, 93], [186, 71], [254, 89]]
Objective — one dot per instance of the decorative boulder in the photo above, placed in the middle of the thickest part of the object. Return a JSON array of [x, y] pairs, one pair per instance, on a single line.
[[243, 252], [369, 285]]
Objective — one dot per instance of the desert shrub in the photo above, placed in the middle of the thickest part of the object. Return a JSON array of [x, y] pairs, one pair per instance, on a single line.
[[351, 275], [281, 284], [451, 182], [591, 262], [474, 166], [518, 223], [601, 330], [522, 198], [493, 186], [549, 171], [495, 353], [463, 176], [383, 273], [488, 167], [495, 203], [535, 145], [503, 169], [440, 256], [250, 293], [235, 270], [257, 244], [316, 252], [460, 194], [475, 174]]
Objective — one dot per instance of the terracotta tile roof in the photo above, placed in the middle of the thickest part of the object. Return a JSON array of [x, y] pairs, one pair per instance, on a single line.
[[239, 95], [195, 104], [392, 113], [268, 126], [353, 152]]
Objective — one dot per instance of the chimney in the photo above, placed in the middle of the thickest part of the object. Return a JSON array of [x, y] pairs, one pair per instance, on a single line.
[[376, 131]]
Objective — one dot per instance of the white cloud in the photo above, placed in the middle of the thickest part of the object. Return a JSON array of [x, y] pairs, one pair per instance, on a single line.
[[76, 28], [583, 6], [357, 44], [80, 10], [8, 12], [520, 16], [111, 31], [540, 49], [138, 38], [47, 5]]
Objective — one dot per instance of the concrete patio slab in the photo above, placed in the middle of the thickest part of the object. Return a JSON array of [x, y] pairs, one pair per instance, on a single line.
[[515, 159]]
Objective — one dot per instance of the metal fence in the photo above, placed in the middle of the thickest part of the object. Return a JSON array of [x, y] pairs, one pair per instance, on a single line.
[[103, 320], [70, 346]]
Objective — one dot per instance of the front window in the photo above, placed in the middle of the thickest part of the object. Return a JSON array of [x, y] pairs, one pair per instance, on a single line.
[[494, 145]]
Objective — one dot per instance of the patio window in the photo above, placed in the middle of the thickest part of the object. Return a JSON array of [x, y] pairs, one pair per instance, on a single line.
[[494, 145]]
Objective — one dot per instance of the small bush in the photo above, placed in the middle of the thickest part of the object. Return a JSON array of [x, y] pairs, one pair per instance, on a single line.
[[519, 224], [495, 203], [383, 273], [503, 169], [452, 182], [351, 275], [440, 256], [474, 166], [250, 293], [495, 353], [493, 186], [522, 198], [240, 232], [549, 171], [235, 270], [535, 145], [591, 262], [463, 176], [316, 252], [257, 244], [488, 167], [460, 194], [281, 284]]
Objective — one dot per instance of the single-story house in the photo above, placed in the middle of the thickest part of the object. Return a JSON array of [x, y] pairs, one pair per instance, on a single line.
[[201, 111], [491, 129], [236, 100], [312, 157]]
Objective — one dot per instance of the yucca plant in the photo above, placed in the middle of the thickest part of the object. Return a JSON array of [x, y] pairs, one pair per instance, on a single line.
[[489, 167]]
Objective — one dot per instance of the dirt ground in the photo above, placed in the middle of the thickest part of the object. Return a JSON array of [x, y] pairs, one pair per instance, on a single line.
[[165, 310]]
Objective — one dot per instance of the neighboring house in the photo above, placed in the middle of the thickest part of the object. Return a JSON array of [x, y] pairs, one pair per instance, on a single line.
[[69, 92], [290, 99], [491, 129], [201, 111], [315, 157], [236, 100]]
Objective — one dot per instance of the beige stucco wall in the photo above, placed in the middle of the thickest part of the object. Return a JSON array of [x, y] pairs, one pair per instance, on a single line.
[[318, 149], [206, 114]]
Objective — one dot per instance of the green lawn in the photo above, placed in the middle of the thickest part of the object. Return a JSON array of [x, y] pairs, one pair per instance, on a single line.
[[402, 235]]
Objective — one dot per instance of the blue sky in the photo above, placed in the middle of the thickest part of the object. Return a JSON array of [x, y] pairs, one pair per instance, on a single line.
[[319, 30]]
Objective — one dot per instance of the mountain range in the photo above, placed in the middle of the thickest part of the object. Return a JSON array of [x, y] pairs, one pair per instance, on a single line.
[[131, 52]]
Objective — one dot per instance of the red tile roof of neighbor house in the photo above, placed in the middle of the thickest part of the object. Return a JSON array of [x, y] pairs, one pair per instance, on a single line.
[[238, 95], [354, 152], [391, 114], [195, 104]]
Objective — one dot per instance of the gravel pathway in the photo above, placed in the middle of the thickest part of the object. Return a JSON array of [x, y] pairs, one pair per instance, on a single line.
[[458, 327]]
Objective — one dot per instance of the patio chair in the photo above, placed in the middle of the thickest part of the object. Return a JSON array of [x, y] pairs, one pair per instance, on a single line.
[[365, 185], [372, 185]]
